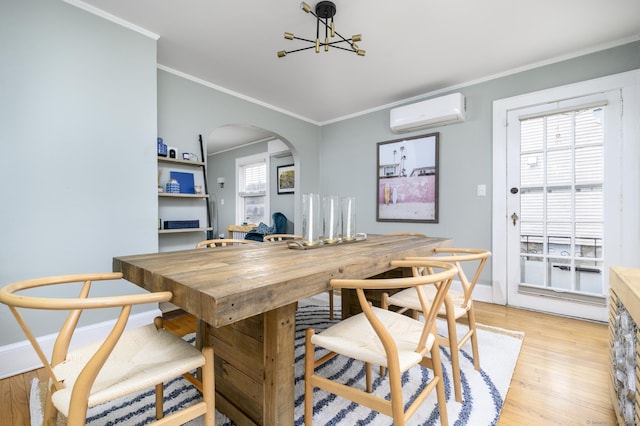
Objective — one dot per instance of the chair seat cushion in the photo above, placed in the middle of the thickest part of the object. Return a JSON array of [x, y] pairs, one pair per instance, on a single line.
[[354, 337], [142, 358], [409, 299]]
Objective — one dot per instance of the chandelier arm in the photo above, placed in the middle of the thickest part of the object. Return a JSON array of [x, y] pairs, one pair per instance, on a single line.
[[304, 39], [344, 39], [328, 28], [302, 48], [343, 48]]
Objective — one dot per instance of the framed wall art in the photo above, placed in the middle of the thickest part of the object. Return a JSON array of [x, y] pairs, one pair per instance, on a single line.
[[407, 183], [286, 179]]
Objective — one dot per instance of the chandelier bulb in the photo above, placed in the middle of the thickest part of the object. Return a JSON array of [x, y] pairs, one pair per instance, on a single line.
[[360, 52], [333, 29], [326, 44], [357, 37], [317, 45], [282, 54], [305, 7], [288, 36]]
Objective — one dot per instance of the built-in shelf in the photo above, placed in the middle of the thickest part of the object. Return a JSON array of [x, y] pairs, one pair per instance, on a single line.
[[182, 230], [177, 161], [184, 206], [173, 195]]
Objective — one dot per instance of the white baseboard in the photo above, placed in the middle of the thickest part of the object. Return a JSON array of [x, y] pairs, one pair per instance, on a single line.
[[482, 293], [20, 357]]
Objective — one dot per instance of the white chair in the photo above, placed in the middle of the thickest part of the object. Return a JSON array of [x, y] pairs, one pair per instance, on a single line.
[[125, 362], [386, 338], [456, 305]]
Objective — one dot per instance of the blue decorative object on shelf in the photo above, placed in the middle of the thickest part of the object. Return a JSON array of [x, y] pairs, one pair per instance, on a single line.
[[185, 180], [162, 148], [173, 187]]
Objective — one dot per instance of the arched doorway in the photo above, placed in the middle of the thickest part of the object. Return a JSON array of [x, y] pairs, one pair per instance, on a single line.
[[226, 144]]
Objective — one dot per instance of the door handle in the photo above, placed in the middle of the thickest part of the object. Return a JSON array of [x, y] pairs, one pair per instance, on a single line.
[[514, 218]]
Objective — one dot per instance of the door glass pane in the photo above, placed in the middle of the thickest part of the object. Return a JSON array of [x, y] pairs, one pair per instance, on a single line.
[[532, 270], [561, 201], [559, 171]]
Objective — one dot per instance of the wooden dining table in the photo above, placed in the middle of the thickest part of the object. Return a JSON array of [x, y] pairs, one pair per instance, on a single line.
[[248, 295]]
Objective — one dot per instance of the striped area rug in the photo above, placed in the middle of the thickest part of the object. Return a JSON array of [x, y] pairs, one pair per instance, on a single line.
[[484, 391]]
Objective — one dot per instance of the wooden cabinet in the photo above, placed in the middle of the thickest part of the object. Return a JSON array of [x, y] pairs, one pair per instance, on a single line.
[[181, 206]]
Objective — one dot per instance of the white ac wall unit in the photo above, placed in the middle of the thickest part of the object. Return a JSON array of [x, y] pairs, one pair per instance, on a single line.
[[440, 111]]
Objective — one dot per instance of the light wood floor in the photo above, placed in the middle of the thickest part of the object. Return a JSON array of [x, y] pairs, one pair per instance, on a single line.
[[561, 377]]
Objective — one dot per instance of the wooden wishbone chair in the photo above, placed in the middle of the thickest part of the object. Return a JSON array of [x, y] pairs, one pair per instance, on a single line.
[[406, 234], [381, 337], [456, 305], [125, 362], [281, 237], [222, 242]]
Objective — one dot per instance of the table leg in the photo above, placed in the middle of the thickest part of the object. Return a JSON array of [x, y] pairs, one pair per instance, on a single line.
[[255, 368]]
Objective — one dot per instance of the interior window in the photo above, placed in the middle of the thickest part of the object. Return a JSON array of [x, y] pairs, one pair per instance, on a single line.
[[252, 190]]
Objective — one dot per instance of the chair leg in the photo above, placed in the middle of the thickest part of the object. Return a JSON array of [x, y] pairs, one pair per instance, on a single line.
[[471, 315], [395, 390], [455, 357], [159, 401], [437, 372], [331, 305], [50, 412], [209, 387], [309, 362], [368, 375]]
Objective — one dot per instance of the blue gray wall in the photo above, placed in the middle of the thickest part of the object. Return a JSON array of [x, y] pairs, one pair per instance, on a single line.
[[77, 130]]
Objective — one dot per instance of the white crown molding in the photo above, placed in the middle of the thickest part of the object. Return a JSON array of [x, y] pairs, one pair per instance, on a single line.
[[19, 357], [101, 13], [235, 94]]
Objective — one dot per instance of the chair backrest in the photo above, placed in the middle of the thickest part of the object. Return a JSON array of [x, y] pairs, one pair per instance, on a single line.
[[406, 234], [222, 242], [460, 256], [441, 280], [76, 305], [281, 237]]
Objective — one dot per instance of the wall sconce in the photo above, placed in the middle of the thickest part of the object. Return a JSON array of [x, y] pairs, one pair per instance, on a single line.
[[221, 182]]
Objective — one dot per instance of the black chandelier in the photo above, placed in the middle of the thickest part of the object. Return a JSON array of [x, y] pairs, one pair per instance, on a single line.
[[325, 10]]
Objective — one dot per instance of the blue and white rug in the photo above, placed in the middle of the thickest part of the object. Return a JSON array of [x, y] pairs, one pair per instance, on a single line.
[[484, 391]]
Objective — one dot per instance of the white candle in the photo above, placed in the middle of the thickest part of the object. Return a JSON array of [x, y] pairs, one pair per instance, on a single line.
[[348, 218], [310, 236]]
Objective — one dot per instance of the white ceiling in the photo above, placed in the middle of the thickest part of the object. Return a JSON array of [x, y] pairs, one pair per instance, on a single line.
[[413, 47]]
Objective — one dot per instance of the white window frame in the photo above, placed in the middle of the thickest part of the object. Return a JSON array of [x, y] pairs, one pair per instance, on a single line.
[[243, 161]]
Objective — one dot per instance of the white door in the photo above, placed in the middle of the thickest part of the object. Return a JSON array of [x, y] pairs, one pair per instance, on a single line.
[[562, 207]]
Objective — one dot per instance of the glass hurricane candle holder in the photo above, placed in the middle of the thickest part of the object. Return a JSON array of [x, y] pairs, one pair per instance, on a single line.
[[311, 219], [331, 219], [348, 205]]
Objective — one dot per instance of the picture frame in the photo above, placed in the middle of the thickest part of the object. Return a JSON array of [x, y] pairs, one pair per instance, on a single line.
[[286, 178], [407, 179]]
